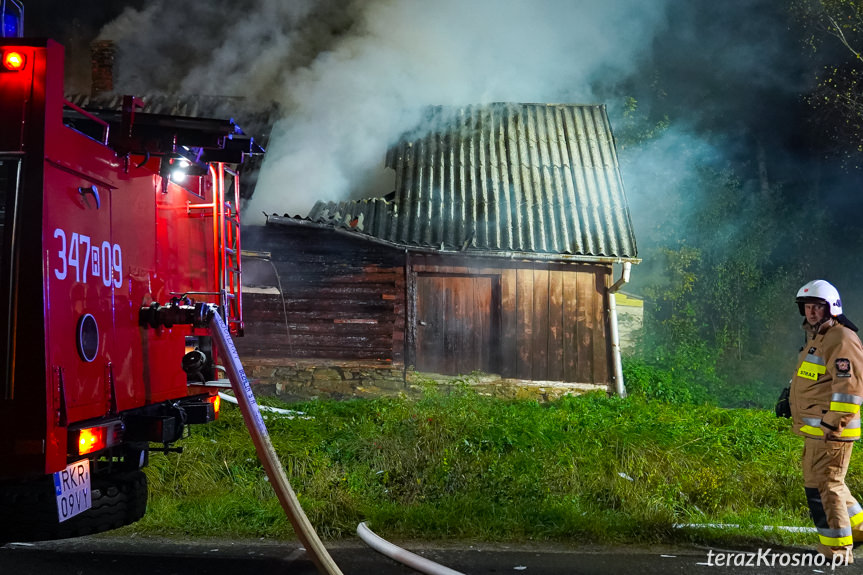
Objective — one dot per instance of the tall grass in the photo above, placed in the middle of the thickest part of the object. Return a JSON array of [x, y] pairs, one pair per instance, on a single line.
[[459, 465]]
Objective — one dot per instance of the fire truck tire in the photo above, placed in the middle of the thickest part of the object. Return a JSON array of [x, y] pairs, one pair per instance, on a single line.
[[29, 512]]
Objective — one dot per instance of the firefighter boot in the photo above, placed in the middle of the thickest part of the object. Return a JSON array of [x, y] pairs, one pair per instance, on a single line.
[[857, 535], [843, 555]]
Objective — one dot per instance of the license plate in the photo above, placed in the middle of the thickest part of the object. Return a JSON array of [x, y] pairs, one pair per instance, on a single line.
[[73, 489]]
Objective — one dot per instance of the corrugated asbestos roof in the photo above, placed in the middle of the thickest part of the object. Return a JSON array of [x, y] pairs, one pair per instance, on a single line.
[[525, 178]]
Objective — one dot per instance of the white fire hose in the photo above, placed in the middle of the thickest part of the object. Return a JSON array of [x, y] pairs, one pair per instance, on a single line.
[[289, 413], [412, 560], [266, 453]]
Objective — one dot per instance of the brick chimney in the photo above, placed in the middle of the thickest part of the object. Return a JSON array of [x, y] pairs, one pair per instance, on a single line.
[[102, 67]]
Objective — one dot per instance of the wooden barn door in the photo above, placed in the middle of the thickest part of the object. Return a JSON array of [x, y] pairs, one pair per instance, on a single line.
[[457, 326]]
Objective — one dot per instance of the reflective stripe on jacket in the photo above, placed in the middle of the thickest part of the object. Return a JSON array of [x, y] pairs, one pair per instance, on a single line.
[[827, 387]]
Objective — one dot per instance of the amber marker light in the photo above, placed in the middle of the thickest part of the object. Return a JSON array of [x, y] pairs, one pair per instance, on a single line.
[[217, 403], [91, 439], [13, 61]]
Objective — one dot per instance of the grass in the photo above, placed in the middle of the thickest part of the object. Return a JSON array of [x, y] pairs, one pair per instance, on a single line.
[[463, 466]]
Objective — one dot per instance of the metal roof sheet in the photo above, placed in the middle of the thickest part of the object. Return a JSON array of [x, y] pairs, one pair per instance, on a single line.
[[526, 178]]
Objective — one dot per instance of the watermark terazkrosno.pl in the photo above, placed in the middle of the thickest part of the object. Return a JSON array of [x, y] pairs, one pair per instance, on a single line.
[[770, 558]]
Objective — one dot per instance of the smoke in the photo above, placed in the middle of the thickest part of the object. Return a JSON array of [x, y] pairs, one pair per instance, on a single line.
[[730, 79], [350, 78]]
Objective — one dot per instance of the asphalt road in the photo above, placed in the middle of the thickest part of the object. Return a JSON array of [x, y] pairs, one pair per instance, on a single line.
[[112, 555]]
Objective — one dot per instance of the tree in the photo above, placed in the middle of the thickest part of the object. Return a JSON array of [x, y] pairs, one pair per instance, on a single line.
[[841, 19], [833, 32]]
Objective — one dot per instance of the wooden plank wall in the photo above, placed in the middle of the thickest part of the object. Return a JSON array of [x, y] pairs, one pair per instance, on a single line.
[[346, 298], [552, 316], [341, 298]]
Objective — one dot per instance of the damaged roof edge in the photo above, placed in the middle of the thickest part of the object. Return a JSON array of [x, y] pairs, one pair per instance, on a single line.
[[273, 219], [513, 180]]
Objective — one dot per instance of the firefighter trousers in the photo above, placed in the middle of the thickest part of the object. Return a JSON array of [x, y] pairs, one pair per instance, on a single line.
[[837, 515]]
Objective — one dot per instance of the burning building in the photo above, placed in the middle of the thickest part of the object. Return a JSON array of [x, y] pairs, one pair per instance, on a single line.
[[494, 253]]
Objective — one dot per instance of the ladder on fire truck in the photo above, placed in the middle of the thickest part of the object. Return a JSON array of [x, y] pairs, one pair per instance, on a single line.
[[226, 244], [225, 213]]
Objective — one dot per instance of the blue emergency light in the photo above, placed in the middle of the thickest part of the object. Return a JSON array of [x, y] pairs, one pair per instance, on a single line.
[[11, 19]]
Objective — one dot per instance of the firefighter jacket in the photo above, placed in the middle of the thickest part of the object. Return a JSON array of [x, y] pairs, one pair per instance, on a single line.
[[827, 387]]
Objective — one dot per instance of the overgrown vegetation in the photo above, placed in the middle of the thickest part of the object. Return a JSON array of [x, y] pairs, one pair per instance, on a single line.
[[729, 222], [724, 254], [463, 466]]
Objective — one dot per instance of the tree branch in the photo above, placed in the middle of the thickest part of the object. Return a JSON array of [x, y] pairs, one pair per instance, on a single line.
[[837, 31]]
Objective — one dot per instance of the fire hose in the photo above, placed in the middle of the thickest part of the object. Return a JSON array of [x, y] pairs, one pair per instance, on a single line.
[[207, 315], [266, 453], [183, 311], [412, 560]]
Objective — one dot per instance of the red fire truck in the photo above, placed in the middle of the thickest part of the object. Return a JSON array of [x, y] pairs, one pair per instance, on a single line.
[[110, 221]]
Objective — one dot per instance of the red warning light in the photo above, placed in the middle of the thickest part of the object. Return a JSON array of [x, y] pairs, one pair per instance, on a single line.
[[13, 61]]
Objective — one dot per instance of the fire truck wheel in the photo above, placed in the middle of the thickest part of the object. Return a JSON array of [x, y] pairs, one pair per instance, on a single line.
[[29, 512]]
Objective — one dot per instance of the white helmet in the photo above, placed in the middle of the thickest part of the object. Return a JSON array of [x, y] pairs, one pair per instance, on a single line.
[[820, 291]]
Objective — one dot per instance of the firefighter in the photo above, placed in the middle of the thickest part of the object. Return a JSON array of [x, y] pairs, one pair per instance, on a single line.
[[826, 394]]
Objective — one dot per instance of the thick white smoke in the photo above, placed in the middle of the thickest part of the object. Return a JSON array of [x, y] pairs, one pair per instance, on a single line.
[[351, 77]]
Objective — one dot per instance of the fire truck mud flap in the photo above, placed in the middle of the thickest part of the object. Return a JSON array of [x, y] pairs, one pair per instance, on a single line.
[[28, 511]]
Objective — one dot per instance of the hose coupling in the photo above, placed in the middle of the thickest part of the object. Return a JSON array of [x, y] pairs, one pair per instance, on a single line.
[[178, 312]]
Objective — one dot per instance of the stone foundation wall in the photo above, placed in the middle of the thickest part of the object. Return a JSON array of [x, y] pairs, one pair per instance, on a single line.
[[301, 380], [298, 380]]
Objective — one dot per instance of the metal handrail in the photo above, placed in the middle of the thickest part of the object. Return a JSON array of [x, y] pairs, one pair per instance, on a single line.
[[105, 125]]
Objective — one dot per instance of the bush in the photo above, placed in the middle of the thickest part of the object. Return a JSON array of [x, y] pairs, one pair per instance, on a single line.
[[654, 382]]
